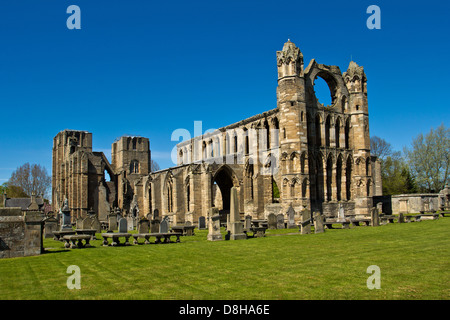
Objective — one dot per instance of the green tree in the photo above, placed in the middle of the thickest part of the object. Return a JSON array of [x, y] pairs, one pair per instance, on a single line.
[[396, 176], [395, 173], [429, 159]]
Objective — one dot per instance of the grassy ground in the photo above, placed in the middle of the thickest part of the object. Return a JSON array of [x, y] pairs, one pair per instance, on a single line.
[[413, 259]]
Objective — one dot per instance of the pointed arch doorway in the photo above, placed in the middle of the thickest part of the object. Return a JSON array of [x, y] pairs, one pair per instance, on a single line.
[[222, 182]]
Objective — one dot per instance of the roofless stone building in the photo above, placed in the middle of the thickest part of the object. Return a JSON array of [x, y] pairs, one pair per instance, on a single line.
[[317, 156]]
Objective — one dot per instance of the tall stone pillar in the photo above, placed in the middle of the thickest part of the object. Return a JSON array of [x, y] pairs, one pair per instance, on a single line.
[[237, 227]]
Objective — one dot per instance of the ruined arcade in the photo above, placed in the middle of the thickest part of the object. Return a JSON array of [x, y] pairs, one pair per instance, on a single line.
[[317, 156]]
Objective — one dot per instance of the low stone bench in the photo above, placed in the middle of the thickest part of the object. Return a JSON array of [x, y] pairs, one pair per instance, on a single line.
[[90, 232], [428, 216], [356, 222], [58, 235], [387, 219], [185, 230], [344, 223], [258, 232], [158, 237], [412, 218], [115, 238], [443, 213], [71, 241]]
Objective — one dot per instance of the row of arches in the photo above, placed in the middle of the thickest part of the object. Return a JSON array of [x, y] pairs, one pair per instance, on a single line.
[[262, 135], [331, 132]]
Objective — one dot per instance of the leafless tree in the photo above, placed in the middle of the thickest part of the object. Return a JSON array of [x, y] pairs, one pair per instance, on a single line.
[[32, 179]]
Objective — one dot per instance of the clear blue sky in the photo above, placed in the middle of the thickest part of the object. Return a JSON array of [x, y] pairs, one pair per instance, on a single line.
[[143, 67]]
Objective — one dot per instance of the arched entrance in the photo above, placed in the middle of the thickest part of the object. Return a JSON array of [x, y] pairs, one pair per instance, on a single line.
[[223, 179]]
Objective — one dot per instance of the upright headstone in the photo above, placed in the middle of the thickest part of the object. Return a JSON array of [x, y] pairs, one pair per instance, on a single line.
[[318, 222], [86, 223], [156, 214], [66, 223], [130, 222], [154, 226], [375, 217], [112, 222], [247, 222], [202, 223], [214, 225], [401, 217], [143, 226], [272, 221], [341, 213], [237, 227], [380, 206], [123, 225], [305, 223], [431, 206], [280, 221], [164, 226], [50, 225], [291, 218], [96, 224]]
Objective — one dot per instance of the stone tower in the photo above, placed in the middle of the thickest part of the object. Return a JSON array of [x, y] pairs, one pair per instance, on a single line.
[[293, 140], [130, 156]]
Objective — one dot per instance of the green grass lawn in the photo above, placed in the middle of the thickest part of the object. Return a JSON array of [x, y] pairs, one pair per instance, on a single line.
[[413, 259]]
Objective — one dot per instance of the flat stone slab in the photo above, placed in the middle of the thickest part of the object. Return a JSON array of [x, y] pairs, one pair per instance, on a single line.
[[57, 235], [329, 223], [76, 241], [90, 232], [115, 238], [186, 230], [158, 236], [356, 222], [258, 232]]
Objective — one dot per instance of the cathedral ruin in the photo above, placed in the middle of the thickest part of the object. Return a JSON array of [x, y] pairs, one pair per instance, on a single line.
[[301, 154]]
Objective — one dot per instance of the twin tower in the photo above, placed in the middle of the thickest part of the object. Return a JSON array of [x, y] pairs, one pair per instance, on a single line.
[[321, 154]]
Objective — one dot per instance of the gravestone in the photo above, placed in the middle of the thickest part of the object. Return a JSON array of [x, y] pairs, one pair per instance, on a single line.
[[318, 222], [96, 225], [156, 214], [154, 226], [341, 213], [66, 223], [305, 223], [214, 225], [272, 221], [50, 225], [123, 225], [86, 223], [79, 223], [401, 217], [112, 221], [164, 226], [375, 217], [291, 218], [187, 223], [143, 226], [130, 223], [201, 223], [380, 206], [280, 221], [237, 227], [248, 222], [431, 206]]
